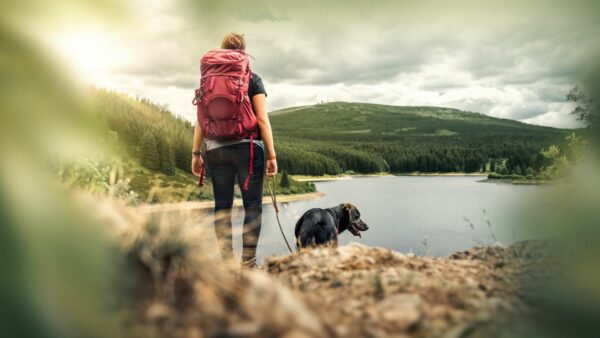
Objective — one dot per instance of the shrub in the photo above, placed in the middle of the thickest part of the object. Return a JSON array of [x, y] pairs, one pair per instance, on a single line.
[[501, 169], [284, 182], [530, 173]]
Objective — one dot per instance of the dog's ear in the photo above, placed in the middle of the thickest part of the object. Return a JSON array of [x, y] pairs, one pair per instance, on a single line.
[[349, 209]]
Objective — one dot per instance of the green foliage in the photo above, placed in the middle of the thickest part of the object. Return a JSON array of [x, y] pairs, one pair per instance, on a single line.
[[156, 152], [298, 159], [294, 186], [147, 132], [552, 162], [587, 110], [576, 147], [530, 173], [167, 157], [353, 159], [284, 182], [558, 160], [366, 138], [181, 149], [497, 176], [518, 170], [155, 146], [140, 182], [149, 156], [100, 177], [501, 169]]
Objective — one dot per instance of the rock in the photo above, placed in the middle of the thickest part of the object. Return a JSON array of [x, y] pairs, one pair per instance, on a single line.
[[399, 256], [390, 276], [158, 312], [244, 329], [296, 334], [400, 312], [267, 301]]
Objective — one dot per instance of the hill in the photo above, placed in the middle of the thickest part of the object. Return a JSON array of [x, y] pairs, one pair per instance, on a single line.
[[148, 153], [337, 137]]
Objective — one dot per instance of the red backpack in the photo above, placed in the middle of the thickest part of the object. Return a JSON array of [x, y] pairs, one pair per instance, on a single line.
[[224, 109]]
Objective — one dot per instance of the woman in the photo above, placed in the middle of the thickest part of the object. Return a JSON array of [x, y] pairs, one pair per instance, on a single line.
[[227, 160]]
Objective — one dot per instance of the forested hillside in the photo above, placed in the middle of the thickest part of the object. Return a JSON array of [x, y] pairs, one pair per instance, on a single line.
[[160, 140], [153, 152], [338, 137], [153, 145]]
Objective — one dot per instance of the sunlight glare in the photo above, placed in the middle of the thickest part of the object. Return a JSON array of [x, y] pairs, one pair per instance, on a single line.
[[88, 54]]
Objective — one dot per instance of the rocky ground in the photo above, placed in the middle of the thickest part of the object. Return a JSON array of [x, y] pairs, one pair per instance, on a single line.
[[360, 291], [350, 291]]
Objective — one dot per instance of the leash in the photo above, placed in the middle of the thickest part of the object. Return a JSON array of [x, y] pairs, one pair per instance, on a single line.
[[274, 199]]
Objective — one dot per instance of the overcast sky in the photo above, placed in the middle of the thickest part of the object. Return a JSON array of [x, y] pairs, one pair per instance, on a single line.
[[506, 59]]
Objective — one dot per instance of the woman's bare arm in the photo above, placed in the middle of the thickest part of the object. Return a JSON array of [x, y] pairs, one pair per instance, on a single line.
[[198, 137], [260, 109]]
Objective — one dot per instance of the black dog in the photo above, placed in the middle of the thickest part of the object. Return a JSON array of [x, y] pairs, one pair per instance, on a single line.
[[322, 226]]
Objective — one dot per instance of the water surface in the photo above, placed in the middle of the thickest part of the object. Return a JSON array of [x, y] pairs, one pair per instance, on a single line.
[[424, 215]]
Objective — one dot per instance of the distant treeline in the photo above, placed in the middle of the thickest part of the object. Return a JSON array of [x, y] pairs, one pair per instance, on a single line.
[[317, 158], [147, 131], [365, 138], [315, 141]]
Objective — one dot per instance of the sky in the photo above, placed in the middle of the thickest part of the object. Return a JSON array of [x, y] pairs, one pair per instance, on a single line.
[[506, 59]]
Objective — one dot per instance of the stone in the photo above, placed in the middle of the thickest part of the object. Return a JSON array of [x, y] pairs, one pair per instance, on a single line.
[[400, 311]]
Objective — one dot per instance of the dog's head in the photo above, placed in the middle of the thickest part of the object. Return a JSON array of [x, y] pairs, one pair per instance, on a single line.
[[355, 224]]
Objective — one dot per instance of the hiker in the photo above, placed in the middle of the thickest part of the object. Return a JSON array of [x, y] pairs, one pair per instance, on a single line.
[[235, 146]]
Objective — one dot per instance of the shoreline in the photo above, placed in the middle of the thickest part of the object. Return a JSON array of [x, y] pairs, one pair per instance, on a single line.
[[444, 174], [324, 178], [209, 204], [515, 182]]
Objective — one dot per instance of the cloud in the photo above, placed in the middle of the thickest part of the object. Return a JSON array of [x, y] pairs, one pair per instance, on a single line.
[[558, 115], [511, 59]]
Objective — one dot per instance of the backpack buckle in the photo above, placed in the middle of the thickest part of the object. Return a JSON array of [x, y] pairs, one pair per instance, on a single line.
[[198, 96]]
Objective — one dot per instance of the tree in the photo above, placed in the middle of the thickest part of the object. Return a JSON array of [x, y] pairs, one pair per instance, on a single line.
[[558, 160], [182, 147], [149, 155], [284, 182], [501, 169], [518, 170], [530, 173], [586, 110], [167, 157]]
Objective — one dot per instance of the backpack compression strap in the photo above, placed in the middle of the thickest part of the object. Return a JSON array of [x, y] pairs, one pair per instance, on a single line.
[[250, 166]]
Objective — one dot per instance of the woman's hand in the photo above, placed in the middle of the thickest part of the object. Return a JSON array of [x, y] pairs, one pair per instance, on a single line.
[[196, 164], [271, 168]]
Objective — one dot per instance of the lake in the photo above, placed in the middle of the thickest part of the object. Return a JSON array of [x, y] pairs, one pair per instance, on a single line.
[[425, 215]]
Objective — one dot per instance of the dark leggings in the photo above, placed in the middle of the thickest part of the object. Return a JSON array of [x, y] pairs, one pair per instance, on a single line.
[[224, 164]]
